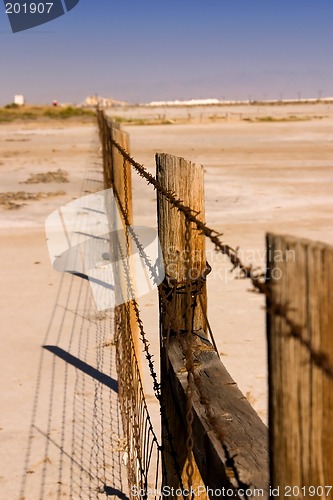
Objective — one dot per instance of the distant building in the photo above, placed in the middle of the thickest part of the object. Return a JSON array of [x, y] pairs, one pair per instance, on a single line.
[[19, 100], [91, 100], [103, 102]]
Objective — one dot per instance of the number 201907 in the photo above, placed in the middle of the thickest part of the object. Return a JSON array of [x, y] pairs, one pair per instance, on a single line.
[[25, 8]]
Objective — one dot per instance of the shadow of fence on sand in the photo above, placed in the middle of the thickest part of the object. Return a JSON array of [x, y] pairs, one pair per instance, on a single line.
[[75, 447]]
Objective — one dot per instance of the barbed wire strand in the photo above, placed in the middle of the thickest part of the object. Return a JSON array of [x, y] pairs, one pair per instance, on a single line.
[[258, 278]]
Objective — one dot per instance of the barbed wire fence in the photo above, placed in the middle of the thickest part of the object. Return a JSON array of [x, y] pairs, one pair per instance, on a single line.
[[75, 446], [145, 464]]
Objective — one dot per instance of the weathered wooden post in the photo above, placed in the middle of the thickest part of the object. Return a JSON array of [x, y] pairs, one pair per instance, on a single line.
[[117, 176], [186, 180], [300, 366], [229, 439]]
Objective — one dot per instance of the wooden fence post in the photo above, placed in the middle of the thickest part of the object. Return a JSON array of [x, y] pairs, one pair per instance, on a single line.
[[300, 387], [186, 180], [117, 176]]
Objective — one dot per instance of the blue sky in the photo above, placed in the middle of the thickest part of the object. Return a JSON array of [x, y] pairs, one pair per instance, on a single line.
[[149, 50]]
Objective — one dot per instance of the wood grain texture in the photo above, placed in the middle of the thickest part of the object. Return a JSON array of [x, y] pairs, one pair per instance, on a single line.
[[114, 178], [241, 460], [186, 180], [300, 393]]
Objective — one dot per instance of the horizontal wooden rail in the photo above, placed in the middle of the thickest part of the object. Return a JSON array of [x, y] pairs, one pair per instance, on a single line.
[[241, 459]]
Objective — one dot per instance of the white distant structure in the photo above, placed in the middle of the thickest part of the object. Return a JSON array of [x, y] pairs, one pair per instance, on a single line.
[[103, 102], [190, 102], [95, 100], [218, 102], [19, 100]]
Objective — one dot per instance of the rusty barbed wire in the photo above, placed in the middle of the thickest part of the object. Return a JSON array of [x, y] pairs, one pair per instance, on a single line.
[[143, 336], [260, 282], [258, 278], [189, 365], [192, 286], [135, 413], [191, 215], [132, 435]]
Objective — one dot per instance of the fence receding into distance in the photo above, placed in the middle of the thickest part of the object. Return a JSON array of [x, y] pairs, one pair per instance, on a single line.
[[210, 435]]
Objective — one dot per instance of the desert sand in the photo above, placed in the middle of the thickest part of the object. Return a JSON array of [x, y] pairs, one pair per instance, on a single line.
[[60, 429]]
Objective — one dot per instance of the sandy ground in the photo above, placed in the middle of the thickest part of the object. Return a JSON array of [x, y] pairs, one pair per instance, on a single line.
[[60, 425], [259, 177]]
